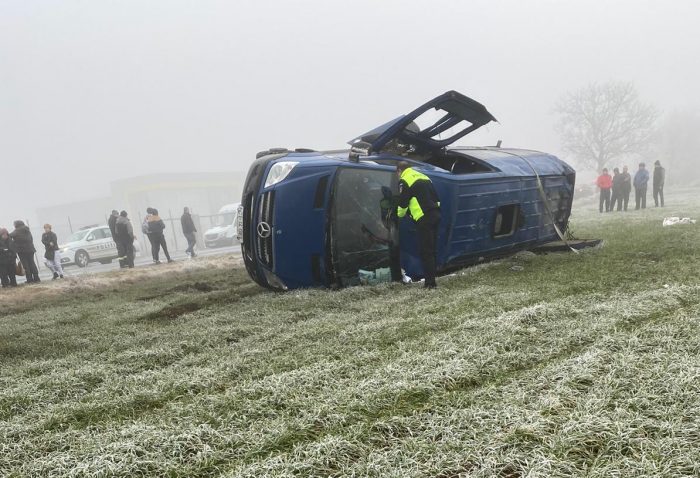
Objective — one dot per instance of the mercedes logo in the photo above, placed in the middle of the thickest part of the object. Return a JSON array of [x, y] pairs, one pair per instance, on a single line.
[[264, 229]]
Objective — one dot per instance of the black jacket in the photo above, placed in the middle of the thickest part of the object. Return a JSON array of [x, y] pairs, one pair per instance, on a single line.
[[124, 230], [24, 242], [659, 176], [187, 223], [617, 183], [626, 186], [7, 251], [112, 223], [155, 224], [50, 241]]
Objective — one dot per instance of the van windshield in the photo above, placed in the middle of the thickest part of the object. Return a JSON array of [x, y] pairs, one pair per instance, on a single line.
[[225, 219], [363, 241]]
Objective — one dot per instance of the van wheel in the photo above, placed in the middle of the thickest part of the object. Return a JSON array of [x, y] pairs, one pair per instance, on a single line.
[[82, 259]]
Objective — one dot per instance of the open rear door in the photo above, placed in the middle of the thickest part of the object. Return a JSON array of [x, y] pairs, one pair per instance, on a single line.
[[457, 116]]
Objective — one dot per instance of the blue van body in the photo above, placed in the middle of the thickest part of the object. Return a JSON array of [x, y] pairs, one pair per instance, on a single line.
[[322, 219]]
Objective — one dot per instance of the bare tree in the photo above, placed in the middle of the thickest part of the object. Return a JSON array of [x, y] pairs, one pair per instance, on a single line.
[[600, 123]]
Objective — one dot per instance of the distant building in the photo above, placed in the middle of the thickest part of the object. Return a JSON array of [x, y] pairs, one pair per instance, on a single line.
[[203, 193]]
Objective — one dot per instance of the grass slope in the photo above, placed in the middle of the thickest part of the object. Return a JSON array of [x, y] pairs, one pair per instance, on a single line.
[[569, 365]]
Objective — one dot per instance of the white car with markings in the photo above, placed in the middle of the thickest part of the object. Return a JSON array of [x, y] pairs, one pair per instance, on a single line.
[[90, 244]]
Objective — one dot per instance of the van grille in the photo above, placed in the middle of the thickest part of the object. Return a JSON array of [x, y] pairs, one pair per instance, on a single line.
[[267, 204], [247, 223]]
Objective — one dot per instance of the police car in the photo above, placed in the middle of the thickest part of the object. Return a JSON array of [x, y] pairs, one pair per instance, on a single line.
[[90, 244]]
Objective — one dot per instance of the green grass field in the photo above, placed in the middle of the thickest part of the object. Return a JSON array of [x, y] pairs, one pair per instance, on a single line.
[[568, 365]]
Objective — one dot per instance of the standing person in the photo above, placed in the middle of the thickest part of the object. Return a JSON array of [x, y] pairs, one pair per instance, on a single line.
[[125, 237], [8, 258], [616, 190], [52, 254], [154, 227], [24, 245], [626, 186], [658, 183], [112, 223], [604, 182], [188, 231], [418, 197], [641, 178]]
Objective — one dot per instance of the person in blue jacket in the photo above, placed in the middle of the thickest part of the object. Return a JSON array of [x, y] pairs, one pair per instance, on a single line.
[[641, 178]]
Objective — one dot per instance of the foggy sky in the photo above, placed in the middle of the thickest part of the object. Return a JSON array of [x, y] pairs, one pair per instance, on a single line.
[[97, 90]]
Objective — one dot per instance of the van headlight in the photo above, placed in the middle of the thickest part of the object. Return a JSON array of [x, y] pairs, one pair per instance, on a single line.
[[279, 171]]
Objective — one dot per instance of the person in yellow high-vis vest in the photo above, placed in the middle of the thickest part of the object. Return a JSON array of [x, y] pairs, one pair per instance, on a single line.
[[418, 198]]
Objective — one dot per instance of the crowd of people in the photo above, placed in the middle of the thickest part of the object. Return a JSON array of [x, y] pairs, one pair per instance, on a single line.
[[17, 249], [17, 254], [153, 227], [616, 189]]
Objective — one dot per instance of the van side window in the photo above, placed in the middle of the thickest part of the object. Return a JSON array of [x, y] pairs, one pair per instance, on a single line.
[[507, 219]]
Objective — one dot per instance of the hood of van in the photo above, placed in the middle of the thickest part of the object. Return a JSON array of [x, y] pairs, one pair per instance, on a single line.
[[217, 230]]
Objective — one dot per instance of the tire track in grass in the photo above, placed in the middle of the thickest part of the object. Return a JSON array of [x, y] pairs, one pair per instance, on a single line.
[[414, 400], [547, 413], [404, 403]]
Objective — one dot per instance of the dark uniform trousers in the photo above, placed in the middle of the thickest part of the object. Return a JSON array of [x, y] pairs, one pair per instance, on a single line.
[[604, 200], [640, 197], [427, 242], [126, 245], [658, 193]]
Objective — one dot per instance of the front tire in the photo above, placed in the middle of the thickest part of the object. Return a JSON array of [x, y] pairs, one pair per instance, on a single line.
[[82, 259]]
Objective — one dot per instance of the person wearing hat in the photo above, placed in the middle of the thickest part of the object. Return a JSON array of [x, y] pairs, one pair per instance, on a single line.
[[125, 238], [658, 183], [641, 178], [112, 223], [625, 186]]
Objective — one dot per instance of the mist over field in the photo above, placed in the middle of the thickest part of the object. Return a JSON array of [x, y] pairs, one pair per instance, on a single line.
[[96, 91], [299, 333]]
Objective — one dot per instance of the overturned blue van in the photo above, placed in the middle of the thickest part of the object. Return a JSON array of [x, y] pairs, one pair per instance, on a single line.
[[324, 218]]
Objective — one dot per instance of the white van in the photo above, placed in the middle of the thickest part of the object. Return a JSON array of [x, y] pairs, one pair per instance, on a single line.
[[224, 231]]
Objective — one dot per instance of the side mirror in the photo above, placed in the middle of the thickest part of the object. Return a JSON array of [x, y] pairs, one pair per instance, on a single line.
[[359, 148], [90, 238]]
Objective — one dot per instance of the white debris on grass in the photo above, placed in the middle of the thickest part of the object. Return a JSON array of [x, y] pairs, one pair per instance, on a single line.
[[675, 220]]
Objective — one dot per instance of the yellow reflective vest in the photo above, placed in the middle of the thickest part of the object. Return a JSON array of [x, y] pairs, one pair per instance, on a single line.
[[417, 195]]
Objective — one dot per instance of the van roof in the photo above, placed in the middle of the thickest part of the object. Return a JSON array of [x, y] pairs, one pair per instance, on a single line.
[[233, 207]]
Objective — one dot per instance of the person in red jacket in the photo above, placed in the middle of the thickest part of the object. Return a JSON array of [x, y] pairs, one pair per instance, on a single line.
[[604, 182]]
